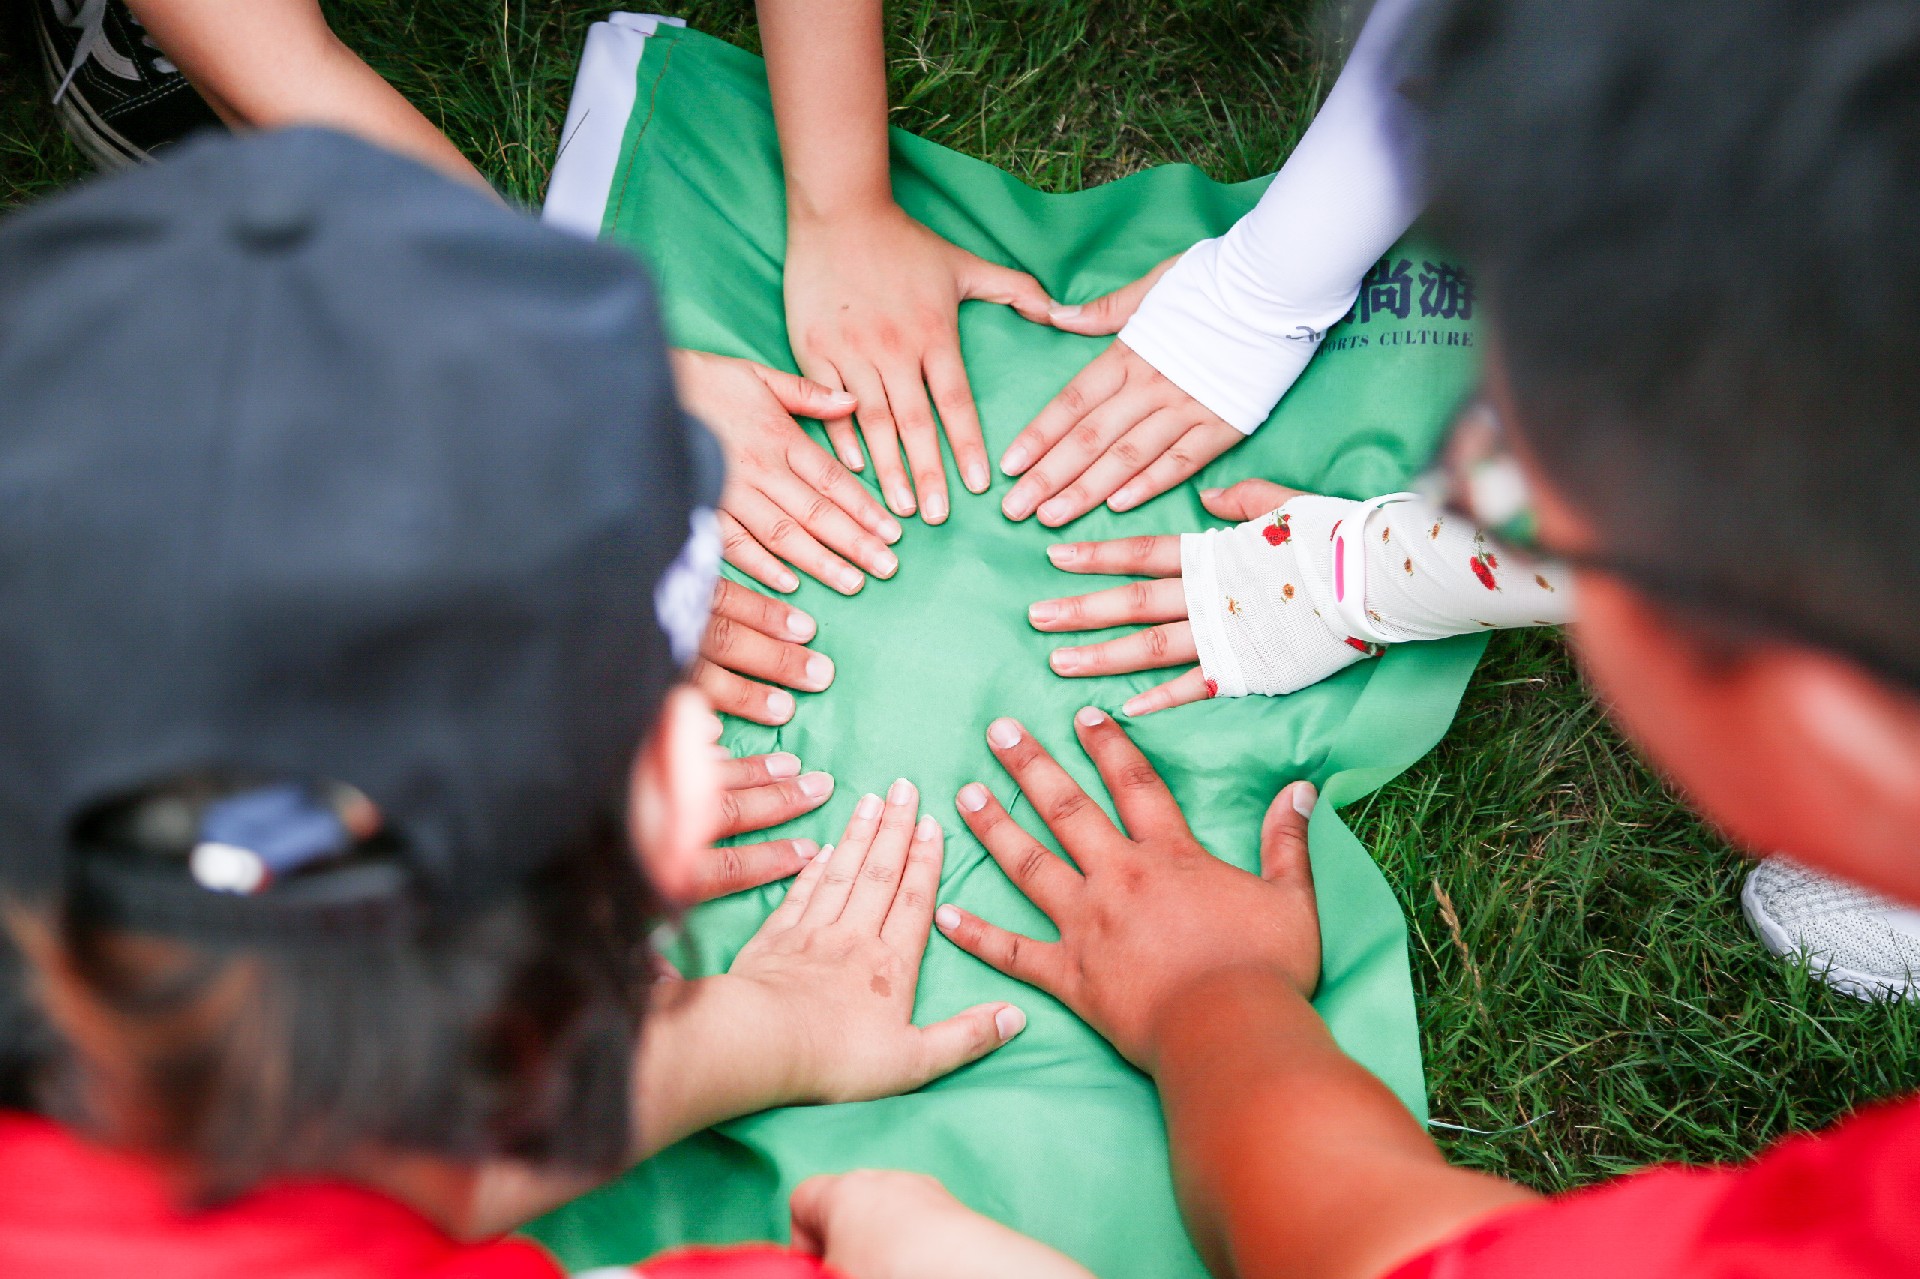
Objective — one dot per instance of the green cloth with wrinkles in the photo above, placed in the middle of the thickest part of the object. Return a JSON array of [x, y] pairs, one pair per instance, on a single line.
[[1053, 1134]]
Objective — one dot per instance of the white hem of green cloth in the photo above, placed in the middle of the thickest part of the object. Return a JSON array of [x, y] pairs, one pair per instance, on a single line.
[[597, 115]]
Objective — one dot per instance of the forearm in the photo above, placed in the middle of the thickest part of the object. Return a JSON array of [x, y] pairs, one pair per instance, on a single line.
[[1290, 1158], [273, 63], [827, 70], [1235, 322]]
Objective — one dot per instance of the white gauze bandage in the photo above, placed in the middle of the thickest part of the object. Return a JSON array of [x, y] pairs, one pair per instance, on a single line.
[[1285, 600]]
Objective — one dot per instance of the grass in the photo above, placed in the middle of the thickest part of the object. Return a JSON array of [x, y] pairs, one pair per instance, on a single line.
[[1590, 999]]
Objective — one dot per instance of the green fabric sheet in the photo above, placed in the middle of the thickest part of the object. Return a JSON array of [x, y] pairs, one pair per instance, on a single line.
[[1053, 1134]]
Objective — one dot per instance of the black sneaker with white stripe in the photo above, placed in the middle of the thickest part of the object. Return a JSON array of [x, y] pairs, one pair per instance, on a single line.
[[120, 99]]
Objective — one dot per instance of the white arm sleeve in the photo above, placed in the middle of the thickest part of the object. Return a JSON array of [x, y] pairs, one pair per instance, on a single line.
[[1238, 317]]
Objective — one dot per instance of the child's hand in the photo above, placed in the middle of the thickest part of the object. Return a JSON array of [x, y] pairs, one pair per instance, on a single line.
[[751, 638], [903, 1225], [1160, 605], [786, 498], [758, 792], [1148, 911], [1119, 432], [833, 970], [873, 307]]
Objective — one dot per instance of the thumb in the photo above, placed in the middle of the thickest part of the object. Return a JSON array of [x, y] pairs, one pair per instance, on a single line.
[[1249, 499], [803, 397], [1109, 314], [948, 1045], [1283, 834], [986, 281], [810, 1206]]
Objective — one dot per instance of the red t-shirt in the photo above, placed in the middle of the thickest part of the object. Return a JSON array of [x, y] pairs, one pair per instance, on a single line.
[[1842, 1204], [71, 1210]]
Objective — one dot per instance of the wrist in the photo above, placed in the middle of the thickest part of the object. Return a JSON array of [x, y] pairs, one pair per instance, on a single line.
[[840, 207], [704, 1059], [1200, 1009]]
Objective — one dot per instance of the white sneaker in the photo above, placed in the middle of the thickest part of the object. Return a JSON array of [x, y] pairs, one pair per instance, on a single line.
[[1858, 942]]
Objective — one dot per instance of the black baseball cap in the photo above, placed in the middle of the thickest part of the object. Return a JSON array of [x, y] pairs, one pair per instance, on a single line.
[[315, 464]]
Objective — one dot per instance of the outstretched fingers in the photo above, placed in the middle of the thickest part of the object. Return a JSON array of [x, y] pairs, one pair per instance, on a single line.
[[1144, 556], [1190, 686], [1140, 796], [1036, 963], [948, 1045], [1034, 868], [829, 897], [1069, 812]]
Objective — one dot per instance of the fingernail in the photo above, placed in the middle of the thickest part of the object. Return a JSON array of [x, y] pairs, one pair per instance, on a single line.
[[800, 626], [973, 797], [819, 671], [926, 829], [1056, 511], [780, 706], [901, 792], [1042, 612], [1063, 553], [1009, 1021], [721, 752], [848, 582], [1125, 500], [1015, 460], [934, 509], [977, 477], [785, 581], [715, 726], [824, 853], [1210, 494], [1003, 733], [783, 764], [1065, 660], [947, 917], [805, 849], [1131, 707], [868, 808], [816, 785], [1063, 312], [889, 563], [1090, 717], [1018, 505], [841, 400], [890, 530], [900, 500], [1304, 798]]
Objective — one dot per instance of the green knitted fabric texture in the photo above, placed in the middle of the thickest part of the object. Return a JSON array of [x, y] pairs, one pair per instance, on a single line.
[[1053, 1134]]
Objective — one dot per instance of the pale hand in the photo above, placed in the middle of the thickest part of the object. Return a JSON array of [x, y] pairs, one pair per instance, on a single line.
[[873, 303], [1160, 605], [1148, 911], [786, 497], [832, 972], [1120, 432], [904, 1225]]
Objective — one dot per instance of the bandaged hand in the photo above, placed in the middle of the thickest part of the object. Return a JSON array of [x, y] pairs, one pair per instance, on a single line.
[[873, 302], [786, 498], [1266, 607], [1118, 433], [1142, 909], [751, 638]]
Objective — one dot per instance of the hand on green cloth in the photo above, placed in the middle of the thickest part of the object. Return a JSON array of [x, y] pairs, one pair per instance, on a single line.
[[1159, 604], [1144, 910], [1120, 432]]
